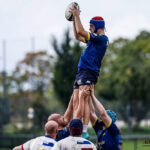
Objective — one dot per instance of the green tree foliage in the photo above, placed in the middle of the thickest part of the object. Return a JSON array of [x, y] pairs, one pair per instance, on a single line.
[[68, 54], [125, 76], [28, 86], [34, 72], [41, 112]]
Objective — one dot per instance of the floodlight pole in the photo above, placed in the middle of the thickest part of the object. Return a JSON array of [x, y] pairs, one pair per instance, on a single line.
[[32, 61], [33, 44]]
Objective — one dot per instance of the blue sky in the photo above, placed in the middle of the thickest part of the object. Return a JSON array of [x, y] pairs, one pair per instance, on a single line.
[[23, 19]]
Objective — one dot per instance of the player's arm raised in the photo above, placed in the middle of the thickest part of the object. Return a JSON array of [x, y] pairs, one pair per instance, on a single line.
[[93, 116], [69, 111], [102, 112], [78, 25], [77, 36]]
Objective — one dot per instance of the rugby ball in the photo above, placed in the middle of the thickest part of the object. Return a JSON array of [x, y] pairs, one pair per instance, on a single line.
[[68, 14]]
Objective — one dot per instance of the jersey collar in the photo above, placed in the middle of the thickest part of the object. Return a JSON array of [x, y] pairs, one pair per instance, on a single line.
[[48, 136]]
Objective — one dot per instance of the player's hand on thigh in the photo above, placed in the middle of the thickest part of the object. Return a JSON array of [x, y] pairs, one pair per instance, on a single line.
[[92, 89], [85, 90], [84, 87]]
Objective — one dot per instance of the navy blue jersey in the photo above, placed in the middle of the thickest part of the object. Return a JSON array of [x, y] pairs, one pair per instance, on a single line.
[[93, 54], [63, 133], [108, 138]]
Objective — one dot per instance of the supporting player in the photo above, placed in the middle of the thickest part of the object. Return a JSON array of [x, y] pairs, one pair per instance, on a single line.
[[74, 141], [43, 142], [63, 121], [108, 134], [89, 64]]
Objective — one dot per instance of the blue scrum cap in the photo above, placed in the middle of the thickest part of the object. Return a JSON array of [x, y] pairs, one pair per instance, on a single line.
[[98, 22], [75, 127], [112, 115], [75, 123]]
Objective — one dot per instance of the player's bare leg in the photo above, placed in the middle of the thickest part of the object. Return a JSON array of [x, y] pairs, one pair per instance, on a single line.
[[83, 111], [86, 111], [86, 116], [79, 112]]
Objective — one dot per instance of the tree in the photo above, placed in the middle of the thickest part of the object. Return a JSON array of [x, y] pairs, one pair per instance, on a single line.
[[34, 72], [65, 69], [41, 112], [125, 76], [29, 84]]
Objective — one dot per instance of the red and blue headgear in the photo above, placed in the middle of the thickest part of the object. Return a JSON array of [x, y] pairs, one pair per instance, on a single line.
[[98, 23], [75, 127]]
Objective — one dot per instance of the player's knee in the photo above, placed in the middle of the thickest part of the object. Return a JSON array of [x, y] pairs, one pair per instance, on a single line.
[[80, 115]]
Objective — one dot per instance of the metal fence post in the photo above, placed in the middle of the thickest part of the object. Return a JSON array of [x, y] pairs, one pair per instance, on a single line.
[[135, 144]]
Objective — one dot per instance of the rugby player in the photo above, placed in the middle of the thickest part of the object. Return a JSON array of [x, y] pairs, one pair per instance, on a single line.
[[89, 63], [43, 142], [74, 141], [63, 121], [108, 134]]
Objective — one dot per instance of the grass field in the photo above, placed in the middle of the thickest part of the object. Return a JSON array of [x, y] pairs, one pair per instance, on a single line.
[[130, 145]]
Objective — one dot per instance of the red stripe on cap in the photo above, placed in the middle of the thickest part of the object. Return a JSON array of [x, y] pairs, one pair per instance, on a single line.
[[97, 18]]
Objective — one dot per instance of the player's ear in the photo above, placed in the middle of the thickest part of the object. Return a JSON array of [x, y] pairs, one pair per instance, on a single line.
[[56, 131]]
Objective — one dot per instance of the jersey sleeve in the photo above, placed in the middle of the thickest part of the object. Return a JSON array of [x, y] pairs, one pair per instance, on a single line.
[[84, 40], [113, 129], [96, 37], [26, 146], [97, 126]]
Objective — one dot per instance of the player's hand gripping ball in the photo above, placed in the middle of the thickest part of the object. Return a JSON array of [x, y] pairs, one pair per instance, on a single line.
[[68, 14]]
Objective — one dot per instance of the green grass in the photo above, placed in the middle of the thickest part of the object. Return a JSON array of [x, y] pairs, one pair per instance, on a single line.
[[130, 145]]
